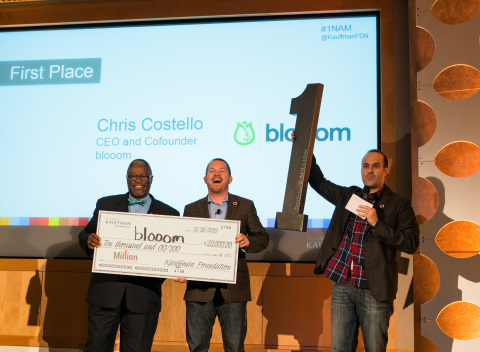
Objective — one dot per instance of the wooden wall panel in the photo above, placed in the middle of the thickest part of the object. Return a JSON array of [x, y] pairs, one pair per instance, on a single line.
[[64, 310], [171, 322], [255, 312], [20, 299], [297, 311], [43, 304]]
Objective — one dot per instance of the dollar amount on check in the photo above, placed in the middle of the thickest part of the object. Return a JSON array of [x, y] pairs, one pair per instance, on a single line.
[[167, 246]]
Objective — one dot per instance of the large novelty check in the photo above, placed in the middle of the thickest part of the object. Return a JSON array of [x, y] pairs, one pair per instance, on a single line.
[[167, 246]]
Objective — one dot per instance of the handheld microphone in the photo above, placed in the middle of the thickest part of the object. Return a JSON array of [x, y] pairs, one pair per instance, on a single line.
[[366, 192], [218, 212]]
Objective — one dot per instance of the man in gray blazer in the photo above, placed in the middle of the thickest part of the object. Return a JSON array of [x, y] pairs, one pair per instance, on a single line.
[[133, 302], [359, 253], [206, 300]]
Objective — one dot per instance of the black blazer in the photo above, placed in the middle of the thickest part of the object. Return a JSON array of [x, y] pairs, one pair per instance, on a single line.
[[142, 294], [396, 229], [238, 209]]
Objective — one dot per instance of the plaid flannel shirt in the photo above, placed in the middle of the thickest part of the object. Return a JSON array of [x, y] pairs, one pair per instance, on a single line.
[[350, 253]]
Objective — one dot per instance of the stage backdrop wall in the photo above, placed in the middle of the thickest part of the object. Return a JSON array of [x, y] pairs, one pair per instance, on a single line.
[[43, 304], [289, 286]]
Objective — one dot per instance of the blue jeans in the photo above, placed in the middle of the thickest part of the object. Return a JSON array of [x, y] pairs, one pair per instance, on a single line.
[[232, 317], [354, 307]]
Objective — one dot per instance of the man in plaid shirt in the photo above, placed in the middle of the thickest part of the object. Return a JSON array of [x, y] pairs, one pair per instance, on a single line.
[[359, 253]]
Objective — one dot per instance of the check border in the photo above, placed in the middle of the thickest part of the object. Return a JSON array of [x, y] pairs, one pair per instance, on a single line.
[[207, 252]]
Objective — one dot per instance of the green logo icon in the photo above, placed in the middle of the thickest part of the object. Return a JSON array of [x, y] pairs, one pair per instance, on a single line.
[[244, 134]]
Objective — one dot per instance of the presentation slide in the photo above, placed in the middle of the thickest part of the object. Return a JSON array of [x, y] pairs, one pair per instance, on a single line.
[[78, 104]]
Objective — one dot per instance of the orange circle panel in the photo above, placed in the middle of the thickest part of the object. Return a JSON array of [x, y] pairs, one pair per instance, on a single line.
[[458, 159], [460, 320], [455, 11], [424, 122], [424, 200], [426, 277], [457, 82], [424, 48], [459, 239]]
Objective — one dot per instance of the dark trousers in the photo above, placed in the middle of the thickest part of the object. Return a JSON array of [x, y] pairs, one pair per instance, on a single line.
[[136, 329]]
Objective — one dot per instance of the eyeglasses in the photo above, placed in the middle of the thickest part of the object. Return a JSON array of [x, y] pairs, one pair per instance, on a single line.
[[139, 177]]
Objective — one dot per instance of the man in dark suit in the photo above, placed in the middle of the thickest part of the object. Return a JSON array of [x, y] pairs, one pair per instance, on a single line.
[[133, 302], [206, 300], [359, 253]]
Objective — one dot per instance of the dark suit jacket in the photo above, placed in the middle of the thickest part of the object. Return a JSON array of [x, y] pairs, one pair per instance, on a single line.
[[238, 209], [142, 294], [396, 229]]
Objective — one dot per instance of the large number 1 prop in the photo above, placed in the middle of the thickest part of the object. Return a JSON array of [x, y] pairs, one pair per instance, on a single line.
[[307, 108]]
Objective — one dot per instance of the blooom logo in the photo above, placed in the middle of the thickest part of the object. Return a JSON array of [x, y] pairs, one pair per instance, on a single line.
[[244, 134]]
